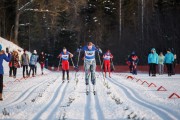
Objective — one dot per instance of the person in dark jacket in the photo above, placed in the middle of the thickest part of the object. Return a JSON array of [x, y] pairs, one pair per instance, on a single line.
[[7, 59], [42, 59], [133, 60], [25, 63]]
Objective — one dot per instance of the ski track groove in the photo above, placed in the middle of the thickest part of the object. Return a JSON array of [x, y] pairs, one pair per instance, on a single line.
[[27, 93], [40, 113], [162, 113], [87, 115], [54, 110], [98, 108]]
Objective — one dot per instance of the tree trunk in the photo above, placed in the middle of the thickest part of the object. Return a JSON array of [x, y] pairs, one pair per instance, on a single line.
[[16, 29]]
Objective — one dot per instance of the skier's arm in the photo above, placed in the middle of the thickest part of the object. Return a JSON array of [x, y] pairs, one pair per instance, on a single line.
[[111, 56], [59, 56], [71, 55], [98, 50]]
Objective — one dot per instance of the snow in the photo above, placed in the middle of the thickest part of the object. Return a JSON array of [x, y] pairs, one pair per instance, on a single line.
[[46, 97]]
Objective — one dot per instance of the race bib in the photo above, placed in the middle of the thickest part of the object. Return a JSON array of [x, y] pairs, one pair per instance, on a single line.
[[107, 57], [65, 56], [89, 53]]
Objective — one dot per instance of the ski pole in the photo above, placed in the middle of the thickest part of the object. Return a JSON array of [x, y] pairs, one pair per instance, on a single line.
[[101, 69], [78, 58], [72, 63], [59, 63]]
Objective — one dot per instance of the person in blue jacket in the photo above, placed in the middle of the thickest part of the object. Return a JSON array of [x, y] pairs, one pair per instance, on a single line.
[[90, 64], [32, 63], [168, 60], [7, 59], [152, 61]]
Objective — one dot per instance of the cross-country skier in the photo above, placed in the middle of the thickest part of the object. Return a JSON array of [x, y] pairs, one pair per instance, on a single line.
[[90, 64], [64, 55], [107, 62], [7, 59], [133, 60], [152, 61]]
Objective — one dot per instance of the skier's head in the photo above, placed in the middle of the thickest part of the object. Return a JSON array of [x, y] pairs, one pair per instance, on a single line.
[[133, 53], [0, 47], [89, 45], [108, 51], [64, 49]]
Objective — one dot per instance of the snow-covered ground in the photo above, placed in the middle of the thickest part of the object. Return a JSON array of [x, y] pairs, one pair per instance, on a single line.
[[121, 97]]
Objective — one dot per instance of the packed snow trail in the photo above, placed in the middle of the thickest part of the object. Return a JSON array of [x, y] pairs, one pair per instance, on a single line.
[[46, 97], [163, 113]]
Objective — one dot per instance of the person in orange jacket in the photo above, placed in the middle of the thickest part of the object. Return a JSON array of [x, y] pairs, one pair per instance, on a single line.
[[107, 62]]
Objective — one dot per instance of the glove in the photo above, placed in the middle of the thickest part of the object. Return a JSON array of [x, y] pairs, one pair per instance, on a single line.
[[99, 50]]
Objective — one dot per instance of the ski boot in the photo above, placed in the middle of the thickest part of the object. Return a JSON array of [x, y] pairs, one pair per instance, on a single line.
[[87, 89], [94, 89]]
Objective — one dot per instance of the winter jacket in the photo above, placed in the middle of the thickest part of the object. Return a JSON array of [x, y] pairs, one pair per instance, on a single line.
[[24, 59], [153, 58], [90, 54], [133, 59], [161, 59], [169, 58], [33, 59], [3, 57], [42, 58], [14, 62]]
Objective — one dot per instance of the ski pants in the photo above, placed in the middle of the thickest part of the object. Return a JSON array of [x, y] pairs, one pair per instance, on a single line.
[[90, 65], [65, 65], [107, 66]]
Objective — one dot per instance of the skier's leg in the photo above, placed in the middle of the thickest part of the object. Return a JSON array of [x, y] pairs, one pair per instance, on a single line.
[[93, 77], [86, 69], [109, 68], [63, 76], [67, 74]]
